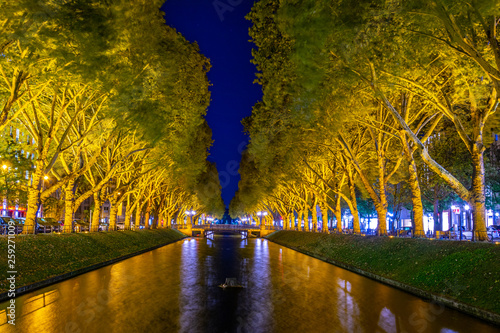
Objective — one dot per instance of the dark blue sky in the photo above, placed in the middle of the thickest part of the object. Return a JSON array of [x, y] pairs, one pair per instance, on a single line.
[[220, 28]]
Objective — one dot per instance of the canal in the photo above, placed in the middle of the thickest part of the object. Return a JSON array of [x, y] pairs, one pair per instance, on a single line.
[[175, 289]]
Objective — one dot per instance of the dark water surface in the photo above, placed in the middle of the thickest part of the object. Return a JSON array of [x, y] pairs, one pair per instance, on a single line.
[[175, 289]]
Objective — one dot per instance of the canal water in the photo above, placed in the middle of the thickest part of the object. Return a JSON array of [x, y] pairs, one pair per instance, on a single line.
[[175, 289]]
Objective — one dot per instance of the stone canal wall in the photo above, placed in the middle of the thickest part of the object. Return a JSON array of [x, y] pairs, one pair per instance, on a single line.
[[461, 275], [45, 259]]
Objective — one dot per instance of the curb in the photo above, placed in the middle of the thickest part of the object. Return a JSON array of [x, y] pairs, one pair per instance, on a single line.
[[58, 278], [490, 317]]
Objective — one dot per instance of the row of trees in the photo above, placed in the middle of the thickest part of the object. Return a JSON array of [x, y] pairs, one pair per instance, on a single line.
[[359, 97], [103, 100]]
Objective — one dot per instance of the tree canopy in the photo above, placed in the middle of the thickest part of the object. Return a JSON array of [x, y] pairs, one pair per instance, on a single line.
[[356, 93], [109, 103]]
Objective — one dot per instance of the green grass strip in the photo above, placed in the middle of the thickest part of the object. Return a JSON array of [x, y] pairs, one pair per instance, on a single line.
[[40, 257]]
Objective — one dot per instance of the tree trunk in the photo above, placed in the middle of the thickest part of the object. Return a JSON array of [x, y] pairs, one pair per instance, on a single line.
[[128, 215], [300, 218], [338, 218], [381, 206], [354, 203], [161, 221], [146, 218], [314, 218], [113, 210], [416, 195], [324, 219], [33, 198], [416, 199], [169, 221], [155, 220], [96, 214], [69, 196], [137, 221], [306, 219], [338, 213], [477, 193], [382, 219]]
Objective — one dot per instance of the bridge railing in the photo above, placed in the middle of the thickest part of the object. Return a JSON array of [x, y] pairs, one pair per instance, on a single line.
[[230, 227]]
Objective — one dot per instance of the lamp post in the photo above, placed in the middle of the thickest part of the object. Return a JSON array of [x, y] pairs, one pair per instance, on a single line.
[[190, 213], [260, 214], [467, 217], [5, 206], [456, 210]]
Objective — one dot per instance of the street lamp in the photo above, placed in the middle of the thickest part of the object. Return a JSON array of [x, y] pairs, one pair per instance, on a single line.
[[190, 213], [260, 214]]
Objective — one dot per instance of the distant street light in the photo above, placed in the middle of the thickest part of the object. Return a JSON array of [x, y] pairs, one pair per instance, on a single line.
[[191, 213], [260, 214]]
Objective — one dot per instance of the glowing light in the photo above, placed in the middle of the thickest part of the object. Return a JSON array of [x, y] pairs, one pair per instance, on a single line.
[[46, 177], [4, 166], [466, 207]]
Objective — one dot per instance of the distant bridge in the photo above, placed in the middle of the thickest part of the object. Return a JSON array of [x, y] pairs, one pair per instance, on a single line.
[[210, 229]]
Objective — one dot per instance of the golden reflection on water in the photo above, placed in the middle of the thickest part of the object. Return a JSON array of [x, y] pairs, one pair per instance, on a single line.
[[174, 289]]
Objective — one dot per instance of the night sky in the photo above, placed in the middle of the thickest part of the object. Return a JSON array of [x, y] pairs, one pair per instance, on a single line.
[[220, 28]]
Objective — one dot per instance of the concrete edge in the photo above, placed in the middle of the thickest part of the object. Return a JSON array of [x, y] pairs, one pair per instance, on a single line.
[[58, 278], [485, 315]]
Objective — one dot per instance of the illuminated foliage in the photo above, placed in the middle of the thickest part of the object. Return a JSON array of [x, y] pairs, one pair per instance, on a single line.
[[113, 102]]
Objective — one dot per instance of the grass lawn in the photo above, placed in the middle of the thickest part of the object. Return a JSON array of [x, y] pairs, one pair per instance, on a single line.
[[39, 257], [465, 271]]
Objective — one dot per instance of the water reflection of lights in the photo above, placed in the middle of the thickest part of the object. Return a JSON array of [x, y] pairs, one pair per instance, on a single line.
[[259, 311], [174, 290], [40, 301], [38, 307], [190, 289], [387, 321], [243, 243], [347, 309], [280, 265]]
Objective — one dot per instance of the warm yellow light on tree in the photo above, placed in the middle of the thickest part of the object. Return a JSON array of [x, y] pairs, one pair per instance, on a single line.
[[46, 177], [4, 166]]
